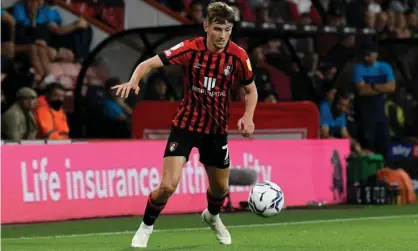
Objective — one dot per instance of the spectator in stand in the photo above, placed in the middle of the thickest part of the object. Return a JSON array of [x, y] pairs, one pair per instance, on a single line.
[[262, 74], [32, 34], [273, 83], [373, 79], [303, 46], [335, 16], [276, 56], [327, 87], [412, 20], [340, 53], [68, 39], [260, 12], [266, 92], [7, 39], [381, 26], [36, 26], [391, 21], [401, 6], [157, 89], [370, 23], [18, 122], [117, 112], [333, 120], [330, 92], [298, 7], [49, 114], [112, 101], [304, 83], [370, 19], [195, 13], [18, 75], [327, 41], [235, 6], [401, 28], [356, 12], [373, 6]]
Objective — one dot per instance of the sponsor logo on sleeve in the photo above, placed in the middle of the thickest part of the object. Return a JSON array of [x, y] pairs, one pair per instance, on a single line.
[[249, 65]]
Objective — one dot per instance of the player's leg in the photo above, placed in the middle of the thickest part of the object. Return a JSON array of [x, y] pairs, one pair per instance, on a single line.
[[218, 187], [177, 151], [215, 156], [172, 168]]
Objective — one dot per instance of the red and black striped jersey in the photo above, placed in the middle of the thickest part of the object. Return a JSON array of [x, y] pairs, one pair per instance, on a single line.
[[209, 79]]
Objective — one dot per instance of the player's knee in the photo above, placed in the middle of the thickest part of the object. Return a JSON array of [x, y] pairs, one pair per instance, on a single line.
[[220, 191], [224, 191], [166, 189]]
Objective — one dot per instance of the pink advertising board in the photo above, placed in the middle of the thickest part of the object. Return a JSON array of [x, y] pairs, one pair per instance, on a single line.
[[69, 181]]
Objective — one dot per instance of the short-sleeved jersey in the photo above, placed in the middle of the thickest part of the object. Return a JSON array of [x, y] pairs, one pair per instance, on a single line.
[[20, 13], [334, 123], [379, 73], [26, 33], [209, 78]]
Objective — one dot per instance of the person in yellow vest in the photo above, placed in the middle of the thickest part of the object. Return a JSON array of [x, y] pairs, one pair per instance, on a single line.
[[396, 117], [49, 114]]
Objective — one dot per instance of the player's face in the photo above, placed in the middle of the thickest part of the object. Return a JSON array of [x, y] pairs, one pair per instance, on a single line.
[[218, 34]]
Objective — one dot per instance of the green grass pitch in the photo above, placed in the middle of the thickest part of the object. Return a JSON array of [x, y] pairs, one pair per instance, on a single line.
[[380, 228]]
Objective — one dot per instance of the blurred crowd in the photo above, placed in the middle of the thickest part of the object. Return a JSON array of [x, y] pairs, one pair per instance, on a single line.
[[316, 68], [35, 41], [321, 56]]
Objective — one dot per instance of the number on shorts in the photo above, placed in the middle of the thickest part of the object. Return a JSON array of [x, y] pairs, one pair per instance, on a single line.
[[225, 147]]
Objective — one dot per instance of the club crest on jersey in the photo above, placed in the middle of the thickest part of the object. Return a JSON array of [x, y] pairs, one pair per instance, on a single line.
[[227, 69], [173, 146]]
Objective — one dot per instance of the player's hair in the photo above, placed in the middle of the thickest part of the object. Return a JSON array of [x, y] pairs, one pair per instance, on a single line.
[[221, 13]]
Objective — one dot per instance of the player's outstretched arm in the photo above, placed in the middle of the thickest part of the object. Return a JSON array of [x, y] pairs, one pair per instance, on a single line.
[[251, 97], [141, 70], [246, 124]]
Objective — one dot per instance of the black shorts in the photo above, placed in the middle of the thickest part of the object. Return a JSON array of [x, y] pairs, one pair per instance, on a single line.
[[213, 149]]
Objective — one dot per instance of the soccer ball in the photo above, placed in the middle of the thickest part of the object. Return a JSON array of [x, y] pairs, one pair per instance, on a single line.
[[266, 199]]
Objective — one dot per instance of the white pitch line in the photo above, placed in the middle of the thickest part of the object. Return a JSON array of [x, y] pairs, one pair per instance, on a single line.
[[205, 228]]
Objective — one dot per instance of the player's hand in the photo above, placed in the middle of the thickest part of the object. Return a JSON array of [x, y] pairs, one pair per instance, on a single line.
[[246, 126], [124, 89]]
